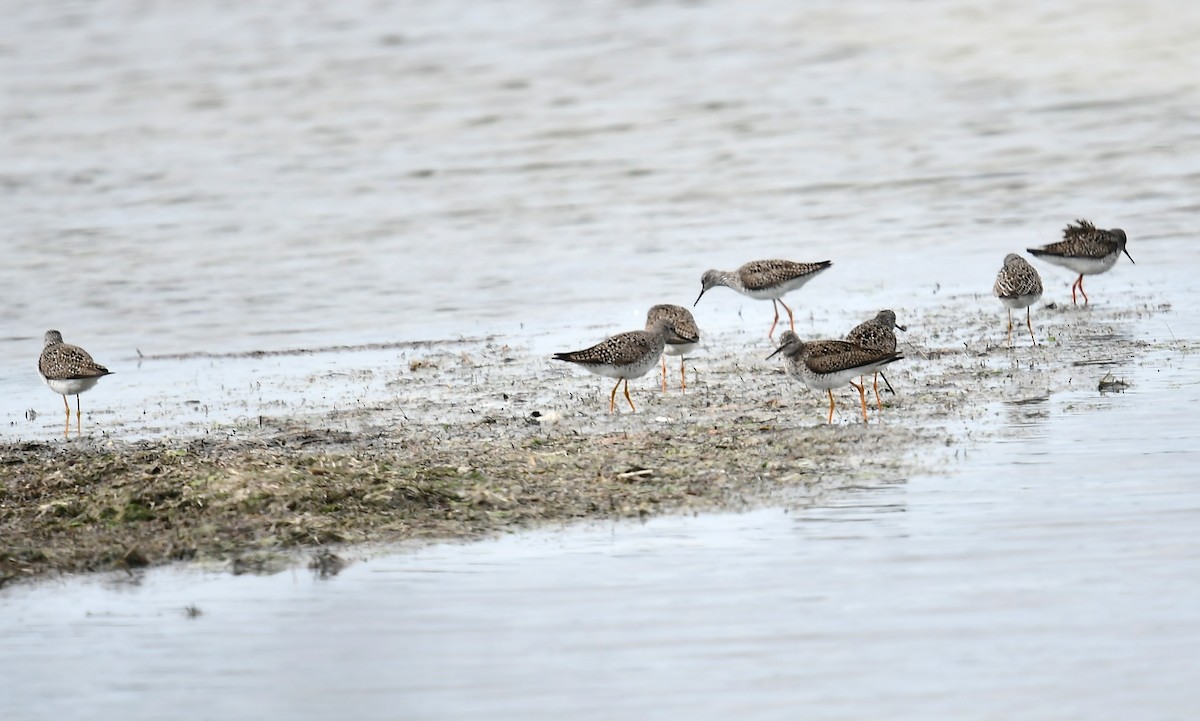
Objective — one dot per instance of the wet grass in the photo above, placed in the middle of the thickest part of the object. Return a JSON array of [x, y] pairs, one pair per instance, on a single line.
[[84, 508], [493, 452]]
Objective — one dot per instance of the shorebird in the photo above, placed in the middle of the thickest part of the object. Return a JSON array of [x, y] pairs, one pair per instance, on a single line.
[[1018, 285], [764, 280], [877, 335], [1085, 249], [828, 364], [69, 370], [684, 340], [624, 356]]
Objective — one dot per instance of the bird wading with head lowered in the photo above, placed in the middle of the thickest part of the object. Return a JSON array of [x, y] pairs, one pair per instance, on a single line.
[[828, 364], [624, 356], [765, 280]]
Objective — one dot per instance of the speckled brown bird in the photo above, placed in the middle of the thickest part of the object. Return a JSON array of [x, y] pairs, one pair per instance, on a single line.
[[1018, 285], [877, 334], [623, 356], [1085, 249], [684, 340], [69, 370], [827, 364], [764, 280]]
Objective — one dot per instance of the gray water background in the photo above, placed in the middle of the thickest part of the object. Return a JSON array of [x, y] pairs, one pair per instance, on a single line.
[[226, 177]]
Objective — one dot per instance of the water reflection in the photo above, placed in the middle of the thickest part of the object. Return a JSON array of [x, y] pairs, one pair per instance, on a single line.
[[888, 586], [1036, 547], [1027, 415], [598, 160]]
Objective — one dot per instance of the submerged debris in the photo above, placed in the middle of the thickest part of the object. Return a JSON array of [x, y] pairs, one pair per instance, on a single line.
[[251, 502], [327, 564], [1111, 384], [465, 450]]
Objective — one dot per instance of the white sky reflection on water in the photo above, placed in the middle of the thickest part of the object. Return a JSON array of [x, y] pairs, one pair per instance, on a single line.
[[228, 178]]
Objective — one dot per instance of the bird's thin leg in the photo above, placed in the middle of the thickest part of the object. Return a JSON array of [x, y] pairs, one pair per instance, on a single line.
[[1085, 298], [862, 396], [791, 319], [67, 405], [771, 332], [1010, 327], [612, 399], [1029, 322], [1073, 287], [78, 417], [830, 392], [682, 375], [878, 403], [631, 406], [664, 367]]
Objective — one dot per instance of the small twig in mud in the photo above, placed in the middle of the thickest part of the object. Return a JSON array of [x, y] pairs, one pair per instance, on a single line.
[[914, 349]]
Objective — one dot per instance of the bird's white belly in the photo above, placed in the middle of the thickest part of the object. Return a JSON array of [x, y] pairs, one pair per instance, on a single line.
[[633, 370], [778, 291], [1084, 266], [71, 386], [1021, 301], [830, 380], [680, 348]]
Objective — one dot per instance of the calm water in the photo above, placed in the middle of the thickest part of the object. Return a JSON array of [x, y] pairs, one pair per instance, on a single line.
[[1029, 581], [219, 178]]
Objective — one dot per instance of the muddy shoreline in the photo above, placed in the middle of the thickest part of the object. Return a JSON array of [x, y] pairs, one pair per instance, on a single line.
[[489, 439]]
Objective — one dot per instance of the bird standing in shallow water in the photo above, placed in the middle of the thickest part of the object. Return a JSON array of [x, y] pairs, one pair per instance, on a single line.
[[624, 356], [877, 335], [764, 280], [1018, 285], [685, 339], [69, 370], [827, 364], [1085, 249]]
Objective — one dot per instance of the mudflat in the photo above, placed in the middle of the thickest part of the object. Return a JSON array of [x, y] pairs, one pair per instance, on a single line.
[[502, 452]]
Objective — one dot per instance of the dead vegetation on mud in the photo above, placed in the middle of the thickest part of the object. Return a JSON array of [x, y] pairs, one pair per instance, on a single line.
[[501, 452], [83, 508]]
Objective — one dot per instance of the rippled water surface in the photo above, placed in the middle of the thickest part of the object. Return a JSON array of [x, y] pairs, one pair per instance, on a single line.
[[1030, 581], [226, 177]]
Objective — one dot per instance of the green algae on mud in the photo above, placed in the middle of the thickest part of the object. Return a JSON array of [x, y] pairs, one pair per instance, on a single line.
[[86, 507], [462, 444]]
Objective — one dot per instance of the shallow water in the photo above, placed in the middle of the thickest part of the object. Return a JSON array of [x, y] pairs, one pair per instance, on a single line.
[[1029, 580], [216, 178], [221, 179]]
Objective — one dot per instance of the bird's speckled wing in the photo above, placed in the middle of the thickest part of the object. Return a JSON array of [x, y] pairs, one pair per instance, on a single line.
[[764, 274], [620, 349], [831, 356], [1017, 280], [873, 336], [1082, 240], [68, 362], [681, 320]]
